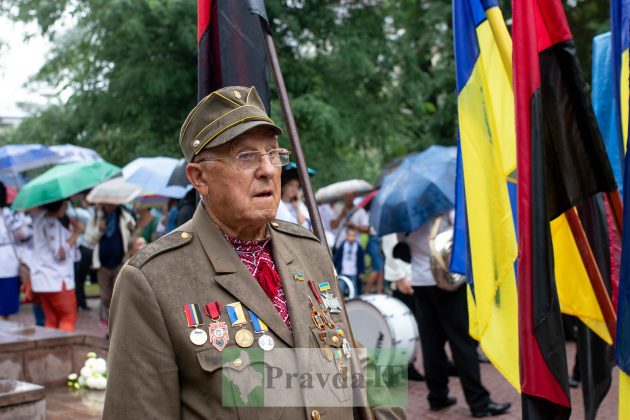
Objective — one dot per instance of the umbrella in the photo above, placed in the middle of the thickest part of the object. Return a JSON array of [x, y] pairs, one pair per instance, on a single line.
[[336, 191], [178, 177], [114, 191], [63, 181], [421, 188], [23, 157], [152, 174], [70, 153]]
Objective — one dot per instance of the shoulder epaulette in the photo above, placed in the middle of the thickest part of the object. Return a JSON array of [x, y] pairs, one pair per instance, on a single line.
[[292, 229], [165, 243]]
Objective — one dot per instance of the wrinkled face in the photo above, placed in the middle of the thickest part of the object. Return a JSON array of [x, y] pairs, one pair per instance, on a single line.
[[240, 198]]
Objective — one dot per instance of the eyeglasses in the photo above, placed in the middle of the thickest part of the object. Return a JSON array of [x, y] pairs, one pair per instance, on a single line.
[[250, 160]]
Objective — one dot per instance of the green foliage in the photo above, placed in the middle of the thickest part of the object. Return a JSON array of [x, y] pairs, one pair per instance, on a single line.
[[369, 80]]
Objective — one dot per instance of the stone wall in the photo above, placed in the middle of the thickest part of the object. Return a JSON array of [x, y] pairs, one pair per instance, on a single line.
[[44, 356]]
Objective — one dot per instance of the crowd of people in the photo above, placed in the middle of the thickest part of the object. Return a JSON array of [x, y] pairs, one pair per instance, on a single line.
[[48, 254]]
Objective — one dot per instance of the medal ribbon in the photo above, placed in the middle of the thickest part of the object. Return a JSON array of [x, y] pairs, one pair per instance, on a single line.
[[213, 310], [259, 324], [193, 315], [311, 284], [236, 314]]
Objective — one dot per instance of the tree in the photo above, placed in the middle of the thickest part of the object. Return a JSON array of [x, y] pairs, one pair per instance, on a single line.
[[369, 80]]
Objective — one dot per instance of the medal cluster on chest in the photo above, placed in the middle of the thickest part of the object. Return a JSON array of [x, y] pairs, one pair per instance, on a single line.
[[218, 331]]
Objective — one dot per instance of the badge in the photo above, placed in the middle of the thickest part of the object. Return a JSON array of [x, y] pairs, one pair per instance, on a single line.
[[311, 285], [298, 276], [265, 341], [194, 320], [219, 336], [341, 366], [331, 303], [324, 286], [243, 337], [315, 316]]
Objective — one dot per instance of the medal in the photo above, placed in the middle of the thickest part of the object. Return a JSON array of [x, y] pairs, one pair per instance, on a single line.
[[243, 337], [265, 341], [218, 330], [194, 319], [315, 316], [341, 366]]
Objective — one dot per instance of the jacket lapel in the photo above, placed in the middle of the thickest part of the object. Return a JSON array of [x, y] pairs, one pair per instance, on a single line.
[[295, 290], [234, 277]]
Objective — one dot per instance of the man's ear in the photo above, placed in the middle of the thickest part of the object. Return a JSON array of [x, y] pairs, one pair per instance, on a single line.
[[198, 178]]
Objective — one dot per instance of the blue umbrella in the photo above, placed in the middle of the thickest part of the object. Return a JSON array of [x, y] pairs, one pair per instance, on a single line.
[[23, 157], [421, 188], [152, 174]]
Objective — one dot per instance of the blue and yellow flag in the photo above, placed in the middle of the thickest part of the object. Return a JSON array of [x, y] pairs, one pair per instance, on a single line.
[[487, 139]]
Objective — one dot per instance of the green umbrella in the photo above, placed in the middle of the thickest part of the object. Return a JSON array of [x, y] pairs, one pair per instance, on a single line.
[[63, 181]]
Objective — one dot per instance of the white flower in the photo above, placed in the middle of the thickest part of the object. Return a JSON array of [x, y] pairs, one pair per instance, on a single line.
[[86, 371], [91, 355], [91, 382], [101, 383], [99, 365], [90, 363], [73, 376], [81, 380]]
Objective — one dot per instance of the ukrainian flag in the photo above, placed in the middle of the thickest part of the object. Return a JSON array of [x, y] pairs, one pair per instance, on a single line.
[[487, 139], [620, 31]]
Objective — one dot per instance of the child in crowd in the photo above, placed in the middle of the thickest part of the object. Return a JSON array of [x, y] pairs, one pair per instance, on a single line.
[[349, 259]]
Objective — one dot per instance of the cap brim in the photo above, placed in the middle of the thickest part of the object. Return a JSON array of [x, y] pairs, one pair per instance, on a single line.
[[233, 132]]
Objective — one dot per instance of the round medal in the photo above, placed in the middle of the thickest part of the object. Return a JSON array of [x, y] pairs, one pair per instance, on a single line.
[[198, 337], [244, 338], [266, 342]]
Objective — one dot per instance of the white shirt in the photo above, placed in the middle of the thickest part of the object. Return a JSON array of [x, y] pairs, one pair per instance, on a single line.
[[9, 261], [349, 259], [418, 241], [287, 213], [359, 217], [395, 268], [48, 272]]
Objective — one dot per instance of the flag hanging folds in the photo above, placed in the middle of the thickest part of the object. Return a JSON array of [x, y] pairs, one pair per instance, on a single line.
[[231, 48], [486, 131], [620, 34], [561, 160], [607, 111], [595, 354]]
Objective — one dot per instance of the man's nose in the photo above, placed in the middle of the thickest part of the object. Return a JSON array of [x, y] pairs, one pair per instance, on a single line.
[[266, 168]]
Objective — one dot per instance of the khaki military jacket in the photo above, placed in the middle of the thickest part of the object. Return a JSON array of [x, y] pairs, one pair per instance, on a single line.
[[156, 372]]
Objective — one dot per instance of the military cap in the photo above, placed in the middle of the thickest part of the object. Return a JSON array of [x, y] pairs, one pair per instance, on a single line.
[[220, 117]]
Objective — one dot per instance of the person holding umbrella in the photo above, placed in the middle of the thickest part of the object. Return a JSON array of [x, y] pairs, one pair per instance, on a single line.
[[52, 267]]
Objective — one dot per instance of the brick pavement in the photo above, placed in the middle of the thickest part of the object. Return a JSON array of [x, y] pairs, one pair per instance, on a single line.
[[85, 405]]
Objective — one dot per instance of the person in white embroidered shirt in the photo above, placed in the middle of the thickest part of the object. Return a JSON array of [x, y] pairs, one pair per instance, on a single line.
[[52, 268]]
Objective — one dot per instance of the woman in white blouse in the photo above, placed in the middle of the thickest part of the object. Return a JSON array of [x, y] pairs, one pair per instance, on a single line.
[[52, 268]]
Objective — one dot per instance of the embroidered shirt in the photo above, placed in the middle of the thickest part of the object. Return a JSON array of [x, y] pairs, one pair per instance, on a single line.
[[256, 255]]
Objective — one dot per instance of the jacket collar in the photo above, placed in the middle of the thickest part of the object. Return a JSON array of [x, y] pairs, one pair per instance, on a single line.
[[234, 277]]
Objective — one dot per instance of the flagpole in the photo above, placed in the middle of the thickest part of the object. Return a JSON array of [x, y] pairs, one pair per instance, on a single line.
[[305, 182], [594, 275], [614, 198]]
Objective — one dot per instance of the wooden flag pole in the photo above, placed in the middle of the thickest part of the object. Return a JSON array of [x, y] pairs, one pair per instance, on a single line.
[[595, 276], [614, 199], [305, 182]]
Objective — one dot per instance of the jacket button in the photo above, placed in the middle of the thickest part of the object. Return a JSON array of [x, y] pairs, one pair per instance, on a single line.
[[238, 363], [274, 224], [335, 339], [315, 415], [185, 235]]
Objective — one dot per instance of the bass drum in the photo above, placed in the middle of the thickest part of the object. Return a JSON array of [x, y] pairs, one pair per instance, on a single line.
[[383, 322]]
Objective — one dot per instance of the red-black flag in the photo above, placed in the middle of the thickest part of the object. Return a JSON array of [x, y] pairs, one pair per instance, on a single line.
[[231, 48], [560, 159]]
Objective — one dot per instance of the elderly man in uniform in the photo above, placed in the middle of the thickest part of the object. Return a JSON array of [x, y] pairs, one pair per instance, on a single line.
[[232, 271]]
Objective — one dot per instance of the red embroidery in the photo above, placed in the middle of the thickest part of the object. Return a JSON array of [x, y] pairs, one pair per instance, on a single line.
[[256, 255]]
